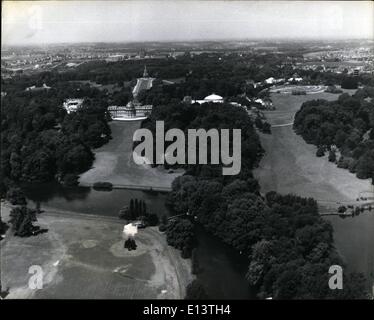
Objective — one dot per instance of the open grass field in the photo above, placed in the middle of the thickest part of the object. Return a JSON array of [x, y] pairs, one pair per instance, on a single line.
[[114, 163], [82, 256], [290, 164]]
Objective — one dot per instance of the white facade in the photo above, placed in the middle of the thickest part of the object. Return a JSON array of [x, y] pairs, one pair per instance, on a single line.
[[132, 111], [72, 105], [295, 79]]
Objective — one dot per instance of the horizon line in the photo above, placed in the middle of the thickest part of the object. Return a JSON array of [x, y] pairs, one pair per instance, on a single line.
[[192, 40]]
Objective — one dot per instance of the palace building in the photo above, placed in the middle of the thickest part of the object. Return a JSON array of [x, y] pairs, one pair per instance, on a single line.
[[132, 111]]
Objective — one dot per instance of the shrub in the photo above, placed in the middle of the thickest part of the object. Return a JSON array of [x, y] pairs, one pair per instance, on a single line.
[[16, 196], [21, 221], [102, 186], [332, 156]]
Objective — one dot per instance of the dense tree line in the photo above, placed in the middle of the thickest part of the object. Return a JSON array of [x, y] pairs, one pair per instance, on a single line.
[[41, 142], [347, 124], [137, 209], [210, 116]]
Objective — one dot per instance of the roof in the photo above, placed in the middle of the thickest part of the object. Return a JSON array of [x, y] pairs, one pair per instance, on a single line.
[[213, 97]]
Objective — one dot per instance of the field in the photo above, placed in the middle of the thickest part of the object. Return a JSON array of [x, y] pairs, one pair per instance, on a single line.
[[82, 256], [114, 162], [290, 164]]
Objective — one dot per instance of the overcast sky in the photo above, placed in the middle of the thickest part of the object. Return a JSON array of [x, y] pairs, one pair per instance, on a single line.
[[27, 22]]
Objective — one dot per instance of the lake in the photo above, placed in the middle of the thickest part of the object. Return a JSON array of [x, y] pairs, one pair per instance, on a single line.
[[354, 239]]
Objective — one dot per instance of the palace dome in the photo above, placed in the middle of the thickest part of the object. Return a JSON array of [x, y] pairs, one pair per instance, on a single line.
[[213, 97]]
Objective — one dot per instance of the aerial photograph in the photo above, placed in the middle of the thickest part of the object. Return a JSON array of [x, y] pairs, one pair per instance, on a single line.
[[187, 150]]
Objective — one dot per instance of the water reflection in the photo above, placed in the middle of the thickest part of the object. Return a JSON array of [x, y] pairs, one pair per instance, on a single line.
[[354, 239], [222, 269], [91, 201], [45, 192]]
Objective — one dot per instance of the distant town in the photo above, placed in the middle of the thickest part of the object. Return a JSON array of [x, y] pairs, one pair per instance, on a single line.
[[352, 57]]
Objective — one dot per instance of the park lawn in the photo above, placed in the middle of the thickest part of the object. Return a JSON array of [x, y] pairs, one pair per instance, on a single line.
[[82, 257], [114, 163]]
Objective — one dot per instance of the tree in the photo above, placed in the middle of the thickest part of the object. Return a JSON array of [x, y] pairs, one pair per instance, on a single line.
[[180, 234], [136, 209], [349, 83], [22, 219], [130, 244], [320, 151], [145, 209], [332, 156], [16, 196], [365, 166], [261, 258], [132, 208]]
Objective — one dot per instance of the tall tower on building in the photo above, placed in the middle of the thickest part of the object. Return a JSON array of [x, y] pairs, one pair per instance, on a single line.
[[143, 83], [145, 73]]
